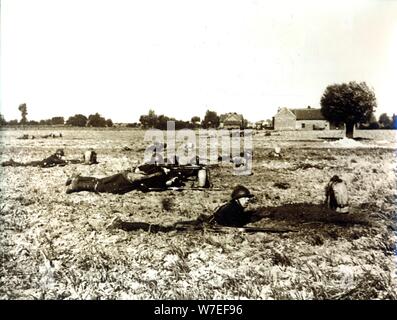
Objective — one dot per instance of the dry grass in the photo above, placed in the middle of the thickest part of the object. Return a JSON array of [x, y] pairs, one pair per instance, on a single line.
[[56, 246]]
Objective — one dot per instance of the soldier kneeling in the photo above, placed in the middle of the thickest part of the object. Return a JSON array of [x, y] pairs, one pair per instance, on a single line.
[[336, 195], [90, 157]]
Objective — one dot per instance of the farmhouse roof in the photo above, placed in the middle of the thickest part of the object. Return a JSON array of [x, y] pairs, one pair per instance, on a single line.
[[231, 117], [308, 114]]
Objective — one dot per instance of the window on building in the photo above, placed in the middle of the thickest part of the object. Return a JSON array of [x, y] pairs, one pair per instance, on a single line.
[[303, 126]]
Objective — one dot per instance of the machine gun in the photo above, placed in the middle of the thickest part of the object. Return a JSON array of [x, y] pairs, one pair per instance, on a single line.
[[187, 169], [196, 172]]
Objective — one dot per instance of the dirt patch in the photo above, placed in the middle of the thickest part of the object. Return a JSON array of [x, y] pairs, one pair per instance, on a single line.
[[310, 213]]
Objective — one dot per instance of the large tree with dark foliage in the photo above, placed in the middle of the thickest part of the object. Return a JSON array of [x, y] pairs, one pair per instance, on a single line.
[[78, 120], [385, 121], [24, 111], [150, 120], [109, 123], [3, 121], [349, 103], [211, 120], [45, 122], [96, 120], [57, 120], [195, 119]]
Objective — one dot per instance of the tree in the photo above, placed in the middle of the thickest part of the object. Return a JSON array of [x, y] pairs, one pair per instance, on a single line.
[[96, 120], [149, 120], [195, 119], [78, 120], [24, 111], [57, 120], [244, 124], [46, 122], [109, 123], [3, 121], [349, 103], [132, 125], [385, 121], [373, 123], [211, 120], [13, 122], [180, 124], [161, 122]]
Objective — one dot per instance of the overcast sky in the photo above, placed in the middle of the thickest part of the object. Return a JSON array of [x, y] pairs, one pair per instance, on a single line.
[[181, 57]]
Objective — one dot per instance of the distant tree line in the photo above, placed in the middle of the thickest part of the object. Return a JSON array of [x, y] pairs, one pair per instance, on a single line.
[[78, 120], [384, 122], [151, 120], [351, 103], [52, 121]]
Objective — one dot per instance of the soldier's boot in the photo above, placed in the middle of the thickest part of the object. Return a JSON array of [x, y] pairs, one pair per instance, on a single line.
[[115, 224], [70, 179], [82, 184]]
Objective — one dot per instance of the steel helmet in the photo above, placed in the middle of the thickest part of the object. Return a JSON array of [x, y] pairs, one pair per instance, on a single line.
[[241, 192], [336, 178]]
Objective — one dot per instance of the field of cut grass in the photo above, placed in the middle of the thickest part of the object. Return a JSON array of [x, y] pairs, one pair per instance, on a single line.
[[55, 245]]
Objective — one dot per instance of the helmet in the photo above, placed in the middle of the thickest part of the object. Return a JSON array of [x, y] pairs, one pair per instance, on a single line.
[[336, 178], [241, 192], [60, 152]]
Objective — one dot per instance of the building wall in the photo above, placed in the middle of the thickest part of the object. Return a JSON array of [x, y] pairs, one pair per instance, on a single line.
[[284, 120], [334, 126], [311, 124], [231, 126]]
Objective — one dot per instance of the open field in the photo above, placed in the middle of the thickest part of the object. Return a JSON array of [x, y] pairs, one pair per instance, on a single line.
[[56, 246]]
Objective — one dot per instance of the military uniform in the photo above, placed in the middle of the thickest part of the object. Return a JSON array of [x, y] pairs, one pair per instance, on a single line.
[[121, 183], [56, 159], [232, 214], [336, 195]]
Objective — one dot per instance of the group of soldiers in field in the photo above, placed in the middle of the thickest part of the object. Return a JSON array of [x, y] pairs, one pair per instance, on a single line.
[[51, 135], [154, 175]]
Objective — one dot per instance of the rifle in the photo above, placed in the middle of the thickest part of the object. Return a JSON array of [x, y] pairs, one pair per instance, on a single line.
[[193, 226], [218, 228], [183, 188], [182, 168], [186, 172], [250, 229]]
